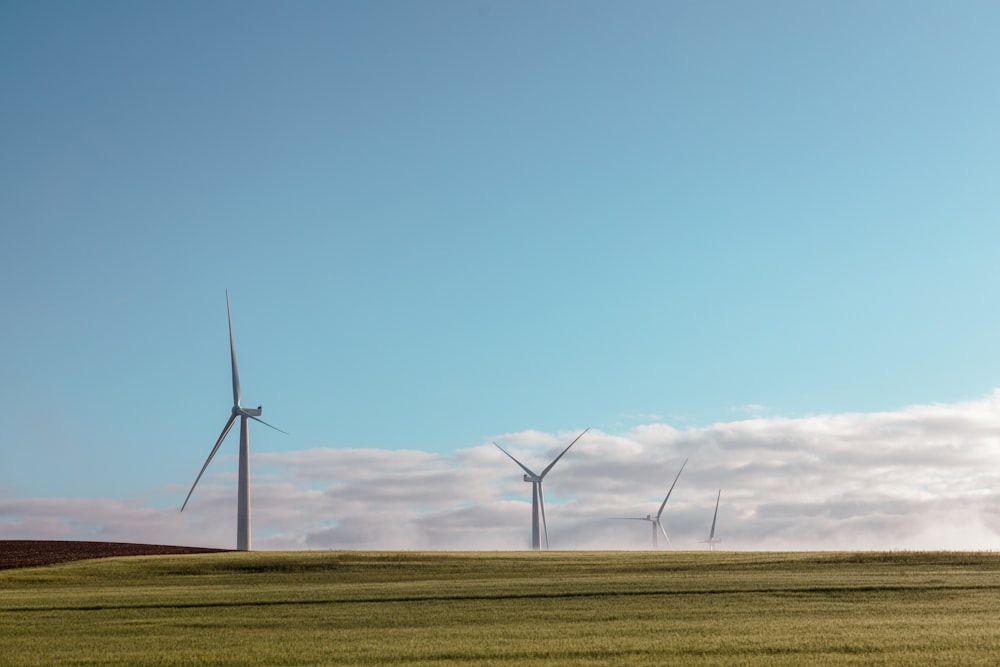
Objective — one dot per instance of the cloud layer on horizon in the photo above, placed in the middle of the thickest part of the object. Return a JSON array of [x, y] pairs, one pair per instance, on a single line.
[[922, 477]]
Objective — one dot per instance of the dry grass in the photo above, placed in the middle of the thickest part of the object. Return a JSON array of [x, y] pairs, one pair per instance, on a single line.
[[603, 608]]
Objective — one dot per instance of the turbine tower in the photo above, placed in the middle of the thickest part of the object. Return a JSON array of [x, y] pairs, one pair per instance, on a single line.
[[712, 539], [537, 500], [657, 525], [245, 414]]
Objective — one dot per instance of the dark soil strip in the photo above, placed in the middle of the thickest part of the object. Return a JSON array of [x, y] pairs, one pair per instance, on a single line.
[[32, 553]]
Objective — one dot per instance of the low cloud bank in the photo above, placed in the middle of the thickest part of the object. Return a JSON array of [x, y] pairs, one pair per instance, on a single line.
[[918, 478]]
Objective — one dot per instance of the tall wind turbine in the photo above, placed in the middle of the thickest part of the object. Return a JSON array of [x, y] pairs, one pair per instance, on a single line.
[[657, 525], [245, 414], [712, 539], [537, 500]]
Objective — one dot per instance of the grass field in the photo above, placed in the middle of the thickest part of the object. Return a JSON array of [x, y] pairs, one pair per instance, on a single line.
[[579, 608]]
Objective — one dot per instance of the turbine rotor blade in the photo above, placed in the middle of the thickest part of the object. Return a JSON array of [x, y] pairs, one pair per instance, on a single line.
[[268, 425], [660, 526], [716, 515], [664, 503], [232, 351], [541, 505], [225, 432], [523, 467], [556, 460]]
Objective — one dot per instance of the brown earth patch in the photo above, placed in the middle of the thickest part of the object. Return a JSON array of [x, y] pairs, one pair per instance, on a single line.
[[32, 553]]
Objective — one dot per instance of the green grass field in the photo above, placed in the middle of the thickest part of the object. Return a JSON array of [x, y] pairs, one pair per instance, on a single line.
[[571, 608]]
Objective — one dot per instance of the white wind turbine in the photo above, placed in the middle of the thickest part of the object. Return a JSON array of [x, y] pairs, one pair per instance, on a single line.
[[537, 500], [712, 539], [245, 414], [657, 525]]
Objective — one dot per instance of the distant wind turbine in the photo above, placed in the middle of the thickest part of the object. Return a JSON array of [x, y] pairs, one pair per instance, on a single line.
[[657, 525], [245, 414], [712, 539], [537, 500]]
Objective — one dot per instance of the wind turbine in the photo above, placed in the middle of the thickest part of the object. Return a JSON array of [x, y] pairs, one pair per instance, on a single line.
[[712, 539], [537, 500], [657, 526], [245, 414]]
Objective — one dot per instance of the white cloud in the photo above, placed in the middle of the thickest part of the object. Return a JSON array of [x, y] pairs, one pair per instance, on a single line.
[[750, 409], [918, 478]]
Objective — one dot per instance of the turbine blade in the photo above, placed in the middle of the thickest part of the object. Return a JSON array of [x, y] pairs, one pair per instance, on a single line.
[[716, 515], [546, 471], [269, 425], [541, 505], [664, 503], [523, 467], [660, 526], [225, 432], [232, 351]]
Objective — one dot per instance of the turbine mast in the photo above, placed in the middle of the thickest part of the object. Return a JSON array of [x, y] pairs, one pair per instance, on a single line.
[[536, 541], [243, 490]]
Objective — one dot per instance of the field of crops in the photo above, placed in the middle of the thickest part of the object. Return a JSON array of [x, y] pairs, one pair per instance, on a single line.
[[579, 608]]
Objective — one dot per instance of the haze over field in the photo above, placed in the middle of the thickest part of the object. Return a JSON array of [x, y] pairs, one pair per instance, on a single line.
[[760, 236]]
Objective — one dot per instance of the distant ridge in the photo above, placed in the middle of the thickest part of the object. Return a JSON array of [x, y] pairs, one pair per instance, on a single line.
[[33, 553]]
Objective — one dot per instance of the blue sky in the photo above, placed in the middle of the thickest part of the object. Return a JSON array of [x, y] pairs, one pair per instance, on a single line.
[[445, 223]]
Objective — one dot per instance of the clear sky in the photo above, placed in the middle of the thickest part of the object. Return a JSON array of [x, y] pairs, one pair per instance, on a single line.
[[736, 225]]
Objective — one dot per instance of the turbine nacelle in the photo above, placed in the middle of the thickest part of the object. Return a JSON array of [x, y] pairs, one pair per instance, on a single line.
[[248, 412], [532, 478]]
